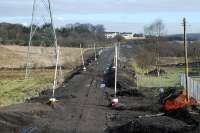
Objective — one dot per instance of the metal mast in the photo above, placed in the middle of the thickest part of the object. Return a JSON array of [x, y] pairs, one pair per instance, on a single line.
[[48, 7]]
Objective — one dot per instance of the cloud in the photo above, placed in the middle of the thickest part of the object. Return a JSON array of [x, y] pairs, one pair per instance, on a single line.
[[105, 6]]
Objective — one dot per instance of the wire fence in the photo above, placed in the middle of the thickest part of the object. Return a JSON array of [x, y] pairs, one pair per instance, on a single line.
[[193, 86]]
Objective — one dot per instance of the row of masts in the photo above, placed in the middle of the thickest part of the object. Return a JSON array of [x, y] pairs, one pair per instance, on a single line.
[[57, 53]]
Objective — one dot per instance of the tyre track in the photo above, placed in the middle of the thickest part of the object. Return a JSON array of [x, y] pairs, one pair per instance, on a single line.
[[84, 106]]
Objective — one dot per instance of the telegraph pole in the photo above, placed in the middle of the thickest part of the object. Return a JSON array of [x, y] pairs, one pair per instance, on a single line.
[[186, 58]]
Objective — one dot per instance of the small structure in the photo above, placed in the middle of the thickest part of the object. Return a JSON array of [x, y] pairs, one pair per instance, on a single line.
[[125, 35], [110, 35]]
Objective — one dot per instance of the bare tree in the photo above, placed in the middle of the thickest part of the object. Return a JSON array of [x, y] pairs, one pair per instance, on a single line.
[[154, 32]]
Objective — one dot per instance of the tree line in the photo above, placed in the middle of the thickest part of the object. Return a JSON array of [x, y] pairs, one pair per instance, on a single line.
[[69, 35]]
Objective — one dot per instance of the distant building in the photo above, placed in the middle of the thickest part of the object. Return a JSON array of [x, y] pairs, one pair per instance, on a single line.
[[126, 35], [110, 35]]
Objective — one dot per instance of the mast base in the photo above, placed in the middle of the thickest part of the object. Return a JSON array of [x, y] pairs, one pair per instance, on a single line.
[[84, 69], [113, 67], [115, 101], [52, 100]]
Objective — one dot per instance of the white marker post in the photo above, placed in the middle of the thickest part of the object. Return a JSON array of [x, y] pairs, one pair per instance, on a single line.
[[115, 100], [83, 62], [114, 63], [53, 99], [114, 66]]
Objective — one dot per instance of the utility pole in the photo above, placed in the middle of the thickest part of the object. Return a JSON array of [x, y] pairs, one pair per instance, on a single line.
[[186, 58]]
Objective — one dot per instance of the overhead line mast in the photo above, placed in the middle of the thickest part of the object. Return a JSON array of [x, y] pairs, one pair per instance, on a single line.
[[47, 5]]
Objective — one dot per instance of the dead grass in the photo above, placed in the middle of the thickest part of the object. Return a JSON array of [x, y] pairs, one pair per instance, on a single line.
[[15, 56]]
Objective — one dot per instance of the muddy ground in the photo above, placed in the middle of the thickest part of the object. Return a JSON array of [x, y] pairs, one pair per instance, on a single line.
[[83, 106]]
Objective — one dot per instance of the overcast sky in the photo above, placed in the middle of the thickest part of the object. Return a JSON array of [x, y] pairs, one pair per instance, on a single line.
[[115, 15]]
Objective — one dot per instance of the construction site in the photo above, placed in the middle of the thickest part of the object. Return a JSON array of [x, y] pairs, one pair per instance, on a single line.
[[81, 79]]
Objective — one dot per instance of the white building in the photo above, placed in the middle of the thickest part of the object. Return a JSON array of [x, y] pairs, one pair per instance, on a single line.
[[110, 35], [126, 35]]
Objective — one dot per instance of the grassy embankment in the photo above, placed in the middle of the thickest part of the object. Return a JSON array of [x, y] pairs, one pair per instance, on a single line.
[[170, 79], [13, 88]]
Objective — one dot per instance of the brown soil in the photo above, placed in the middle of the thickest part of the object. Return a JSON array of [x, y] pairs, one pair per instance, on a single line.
[[83, 107]]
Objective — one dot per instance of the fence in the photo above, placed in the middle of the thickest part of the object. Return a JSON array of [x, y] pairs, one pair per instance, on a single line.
[[193, 87]]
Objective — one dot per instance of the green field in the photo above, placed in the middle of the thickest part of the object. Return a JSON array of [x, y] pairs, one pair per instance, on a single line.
[[170, 79], [15, 89]]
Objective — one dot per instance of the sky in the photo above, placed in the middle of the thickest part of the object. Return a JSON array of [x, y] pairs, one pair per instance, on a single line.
[[115, 15]]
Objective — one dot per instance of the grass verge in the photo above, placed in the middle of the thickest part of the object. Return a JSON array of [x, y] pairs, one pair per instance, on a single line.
[[170, 79], [15, 89]]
